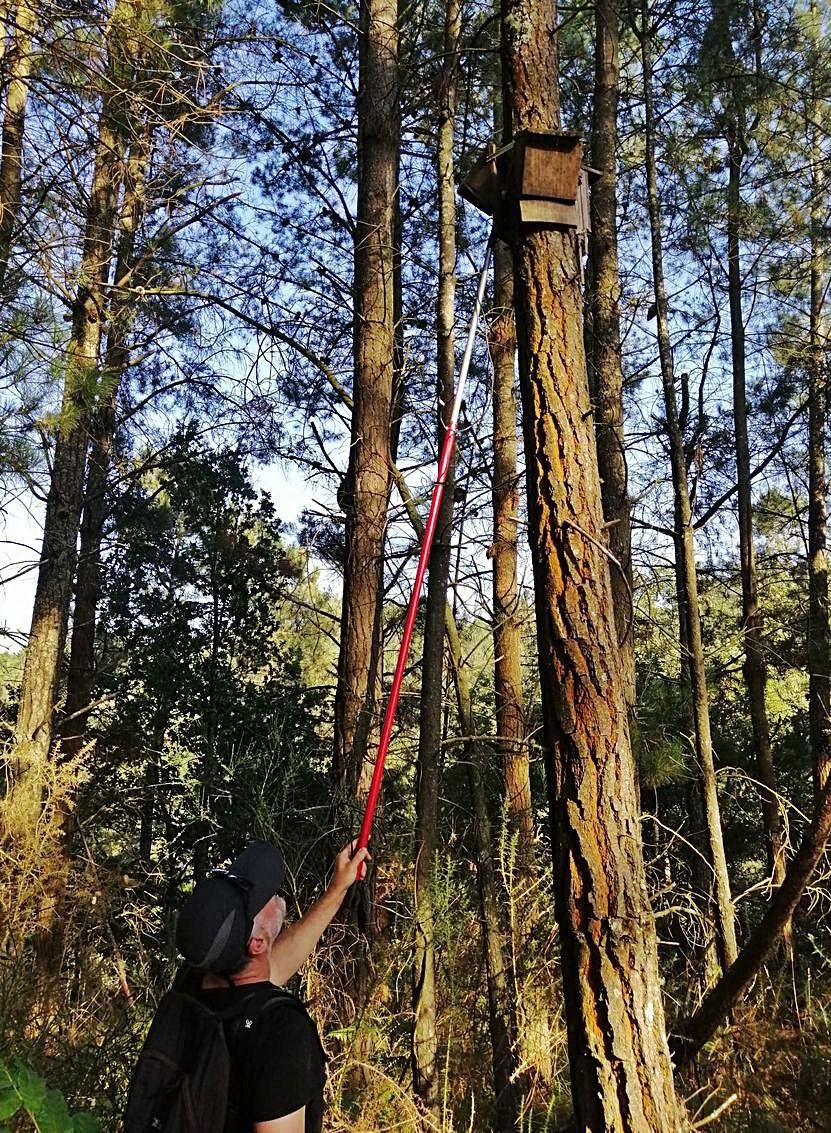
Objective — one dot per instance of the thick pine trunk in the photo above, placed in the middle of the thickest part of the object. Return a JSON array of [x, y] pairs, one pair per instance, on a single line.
[[722, 901], [365, 492], [39, 687], [604, 299], [755, 668], [19, 69], [424, 1038], [81, 675], [620, 1068]]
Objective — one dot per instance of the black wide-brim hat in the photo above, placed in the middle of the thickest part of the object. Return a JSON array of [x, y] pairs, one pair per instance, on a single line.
[[216, 920]]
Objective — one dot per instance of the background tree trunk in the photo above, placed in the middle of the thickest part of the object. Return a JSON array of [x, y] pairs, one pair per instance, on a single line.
[[19, 65], [620, 1069], [425, 1042], [755, 668], [606, 379], [723, 996], [819, 634], [723, 903], [365, 492], [39, 686], [81, 675], [507, 641], [502, 1020]]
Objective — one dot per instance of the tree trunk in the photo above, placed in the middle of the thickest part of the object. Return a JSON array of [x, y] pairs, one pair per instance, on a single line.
[[604, 299], [38, 693], [819, 635], [620, 1068], [723, 996], [499, 992], [533, 1028], [501, 1007], [723, 903], [507, 641], [365, 491], [755, 668], [19, 67], [81, 675], [424, 1039]]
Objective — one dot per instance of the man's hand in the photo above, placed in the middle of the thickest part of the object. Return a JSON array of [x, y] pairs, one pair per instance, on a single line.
[[293, 946], [347, 869]]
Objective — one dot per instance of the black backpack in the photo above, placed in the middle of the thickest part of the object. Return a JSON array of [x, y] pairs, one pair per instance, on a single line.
[[181, 1081]]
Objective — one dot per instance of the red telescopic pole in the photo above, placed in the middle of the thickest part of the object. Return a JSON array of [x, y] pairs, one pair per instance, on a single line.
[[423, 559]]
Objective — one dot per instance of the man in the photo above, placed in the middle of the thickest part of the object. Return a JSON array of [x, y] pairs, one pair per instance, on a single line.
[[231, 932]]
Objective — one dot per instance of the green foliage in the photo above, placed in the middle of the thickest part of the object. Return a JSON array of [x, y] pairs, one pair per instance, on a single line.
[[25, 1092]]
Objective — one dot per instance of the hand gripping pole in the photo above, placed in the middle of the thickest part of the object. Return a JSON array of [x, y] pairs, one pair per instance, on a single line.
[[424, 558]]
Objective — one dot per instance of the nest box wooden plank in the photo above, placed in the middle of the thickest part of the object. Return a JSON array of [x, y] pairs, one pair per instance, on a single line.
[[547, 166], [481, 186], [543, 181]]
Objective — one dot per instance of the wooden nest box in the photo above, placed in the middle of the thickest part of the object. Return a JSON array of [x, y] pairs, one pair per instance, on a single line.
[[541, 175]]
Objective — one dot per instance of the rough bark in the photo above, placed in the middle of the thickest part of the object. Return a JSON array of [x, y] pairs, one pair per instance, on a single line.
[[19, 65], [723, 903], [424, 1037], [723, 996], [604, 319], [81, 675], [365, 491], [619, 1058], [34, 728], [755, 667]]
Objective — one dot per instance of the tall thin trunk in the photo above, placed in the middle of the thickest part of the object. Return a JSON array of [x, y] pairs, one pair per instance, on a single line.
[[533, 1035], [620, 1068], [723, 903], [81, 675], [819, 634], [19, 67], [365, 491], [424, 1038], [604, 300], [755, 667], [501, 1007], [5, 7], [722, 997], [39, 687], [507, 642]]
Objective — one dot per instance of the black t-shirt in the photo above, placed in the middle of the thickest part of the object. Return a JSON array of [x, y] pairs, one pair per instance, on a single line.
[[280, 1066]]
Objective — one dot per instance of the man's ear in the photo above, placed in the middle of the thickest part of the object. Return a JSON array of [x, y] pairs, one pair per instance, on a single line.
[[257, 945]]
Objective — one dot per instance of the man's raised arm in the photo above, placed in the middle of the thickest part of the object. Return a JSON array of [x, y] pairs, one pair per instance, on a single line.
[[296, 943]]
